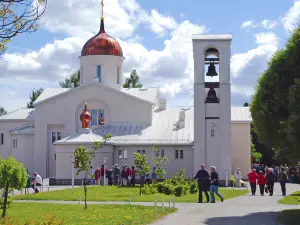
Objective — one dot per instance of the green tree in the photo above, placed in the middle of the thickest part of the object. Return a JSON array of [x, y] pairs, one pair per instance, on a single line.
[[256, 155], [159, 162], [143, 167], [73, 79], [13, 175], [273, 105], [266, 152], [18, 16], [133, 80], [2, 111], [84, 160], [34, 95]]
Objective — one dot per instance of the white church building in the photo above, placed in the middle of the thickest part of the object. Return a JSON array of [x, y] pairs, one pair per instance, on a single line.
[[211, 133]]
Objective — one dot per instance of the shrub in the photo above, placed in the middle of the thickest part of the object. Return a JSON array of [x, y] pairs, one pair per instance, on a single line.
[[193, 188], [160, 187], [168, 189], [178, 190], [9, 202]]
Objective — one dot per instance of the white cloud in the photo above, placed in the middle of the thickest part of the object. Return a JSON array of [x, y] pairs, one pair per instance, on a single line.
[[248, 24], [247, 67], [267, 24], [161, 23], [171, 68], [292, 17]]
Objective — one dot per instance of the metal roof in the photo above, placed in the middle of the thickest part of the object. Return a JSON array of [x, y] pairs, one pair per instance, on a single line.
[[50, 92], [146, 94], [20, 114], [26, 129], [164, 129]]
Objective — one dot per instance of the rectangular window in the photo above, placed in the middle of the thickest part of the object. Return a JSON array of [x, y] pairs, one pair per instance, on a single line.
[[120, 154], [15, 143], [162, 153], [181, 154], [144, 152], [77, 163], [212, 133], [118, 75], [99, 73], [94, 118], [58, 136], [139, 151], [55, 157], [2, 139], [125, 154], [176, 154], [53, 137]]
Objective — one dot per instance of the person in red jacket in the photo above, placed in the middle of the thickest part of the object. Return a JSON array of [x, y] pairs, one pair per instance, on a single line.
[[102, 175], [261, 182], [252, 176], [97, 176]]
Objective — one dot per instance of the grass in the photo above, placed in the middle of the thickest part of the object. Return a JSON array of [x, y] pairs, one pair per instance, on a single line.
[[289, 217], [293, 199], [75, 214], [98, 193]]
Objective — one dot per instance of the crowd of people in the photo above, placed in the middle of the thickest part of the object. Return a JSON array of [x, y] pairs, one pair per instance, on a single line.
[[124, 176], [265, 177]]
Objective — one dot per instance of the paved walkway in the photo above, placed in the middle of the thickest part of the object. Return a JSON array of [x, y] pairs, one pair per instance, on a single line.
[[244, 210]]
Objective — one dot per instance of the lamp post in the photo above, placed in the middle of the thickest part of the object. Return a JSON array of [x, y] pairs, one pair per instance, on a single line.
[[72, 158]]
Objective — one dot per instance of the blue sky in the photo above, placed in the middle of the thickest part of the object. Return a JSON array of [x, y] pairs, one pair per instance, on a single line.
[[150, 32]]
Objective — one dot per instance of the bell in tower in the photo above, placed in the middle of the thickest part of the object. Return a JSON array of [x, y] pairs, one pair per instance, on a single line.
[[212, 96], [211, 70]]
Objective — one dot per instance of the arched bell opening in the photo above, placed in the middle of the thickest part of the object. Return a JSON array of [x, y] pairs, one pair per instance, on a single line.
[[211, 65]]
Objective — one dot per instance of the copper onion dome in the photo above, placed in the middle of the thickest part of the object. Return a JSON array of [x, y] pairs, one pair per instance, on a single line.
[[102, 44], [85, 117]]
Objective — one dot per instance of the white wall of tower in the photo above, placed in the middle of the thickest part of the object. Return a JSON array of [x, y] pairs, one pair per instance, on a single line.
[[111, 68], [212, 149]]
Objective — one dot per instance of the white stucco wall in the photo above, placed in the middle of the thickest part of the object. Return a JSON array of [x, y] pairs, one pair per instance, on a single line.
[[241, 141], [65, 110], [5, 127], [64, 167], [24, 151], [64, 164], [216, 151], [109, 66]]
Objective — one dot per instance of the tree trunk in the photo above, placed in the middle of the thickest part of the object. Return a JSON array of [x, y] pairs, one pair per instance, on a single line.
[[85, 192], [5, 201]]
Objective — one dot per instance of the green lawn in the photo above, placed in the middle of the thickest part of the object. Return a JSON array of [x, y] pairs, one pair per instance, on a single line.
[[293, 199], [98, 193], [289, 217], [75, 214]]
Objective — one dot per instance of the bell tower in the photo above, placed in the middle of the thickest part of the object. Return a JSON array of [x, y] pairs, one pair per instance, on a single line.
[[212, 103]]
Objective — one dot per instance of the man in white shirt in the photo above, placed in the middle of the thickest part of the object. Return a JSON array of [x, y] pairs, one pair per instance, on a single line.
[[238, 177], [37, 182]]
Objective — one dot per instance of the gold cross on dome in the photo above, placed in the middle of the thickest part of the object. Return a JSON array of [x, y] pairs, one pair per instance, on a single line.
[[102, 4]]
